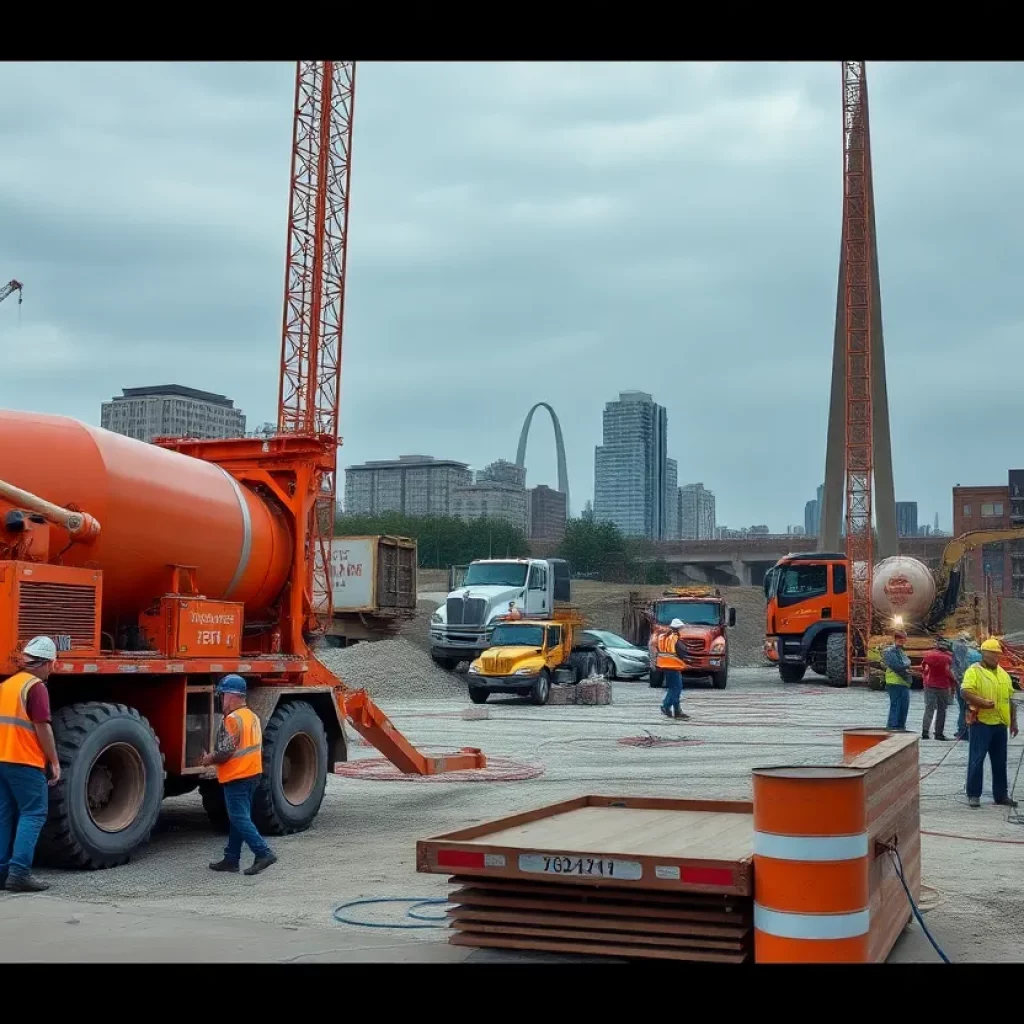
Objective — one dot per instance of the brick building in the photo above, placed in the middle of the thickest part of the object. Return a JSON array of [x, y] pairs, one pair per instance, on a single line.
[[547, 513], [984, 508]]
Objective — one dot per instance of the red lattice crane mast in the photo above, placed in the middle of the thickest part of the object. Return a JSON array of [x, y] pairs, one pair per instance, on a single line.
[[314, 297], [859, 307]]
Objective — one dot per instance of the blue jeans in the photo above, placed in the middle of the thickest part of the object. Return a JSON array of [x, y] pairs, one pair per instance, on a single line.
[[961, 722], [899, 706], [24, 802], [673, 690], [988, 740], [238, 800]]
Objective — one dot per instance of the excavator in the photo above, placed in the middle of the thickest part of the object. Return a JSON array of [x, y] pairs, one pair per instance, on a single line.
[[11, 287], [808, 610]]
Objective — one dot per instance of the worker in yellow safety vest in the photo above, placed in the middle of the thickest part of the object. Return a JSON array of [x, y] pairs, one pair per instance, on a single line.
[[28, 754], [239, 760], [987, 689], [670, 658]]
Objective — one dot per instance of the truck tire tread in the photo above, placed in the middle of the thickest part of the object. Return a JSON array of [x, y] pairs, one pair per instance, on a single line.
[[836, 668], [65, 840]]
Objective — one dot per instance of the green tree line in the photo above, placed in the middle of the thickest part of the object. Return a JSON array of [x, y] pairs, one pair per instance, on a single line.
[[591, 548]]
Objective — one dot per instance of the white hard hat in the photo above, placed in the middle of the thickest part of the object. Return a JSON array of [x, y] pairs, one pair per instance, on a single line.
[[41, 648], [676, 624]]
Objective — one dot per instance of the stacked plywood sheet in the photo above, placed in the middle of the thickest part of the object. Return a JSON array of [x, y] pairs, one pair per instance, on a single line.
[[623, 877]]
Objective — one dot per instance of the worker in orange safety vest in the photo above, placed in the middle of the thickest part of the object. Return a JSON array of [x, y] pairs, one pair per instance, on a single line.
[[28, 755], [239, 761], [670, 658]]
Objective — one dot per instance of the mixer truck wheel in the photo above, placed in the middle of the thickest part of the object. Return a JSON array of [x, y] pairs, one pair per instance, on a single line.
[[294, 776], [111, 786], [790, 673], [835, 665]]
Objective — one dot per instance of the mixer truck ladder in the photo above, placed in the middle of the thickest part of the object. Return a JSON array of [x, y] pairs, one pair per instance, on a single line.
[[9, 288]]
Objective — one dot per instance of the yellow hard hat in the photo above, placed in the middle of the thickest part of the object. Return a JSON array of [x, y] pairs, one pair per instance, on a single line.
[[992, 644]]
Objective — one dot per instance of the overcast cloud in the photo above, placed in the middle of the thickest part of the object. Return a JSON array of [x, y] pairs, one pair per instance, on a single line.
[[522, 233]]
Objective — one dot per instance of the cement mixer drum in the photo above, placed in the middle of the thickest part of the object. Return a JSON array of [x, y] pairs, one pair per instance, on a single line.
[[902, 587]]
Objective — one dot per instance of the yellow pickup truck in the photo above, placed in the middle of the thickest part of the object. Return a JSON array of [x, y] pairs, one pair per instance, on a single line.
[[528, 656]]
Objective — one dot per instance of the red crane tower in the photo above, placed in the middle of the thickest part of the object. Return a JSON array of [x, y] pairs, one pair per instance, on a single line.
[[858, 301], [314, 289]]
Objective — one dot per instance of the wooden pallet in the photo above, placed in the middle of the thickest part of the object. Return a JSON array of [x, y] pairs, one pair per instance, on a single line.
[[602, 921]]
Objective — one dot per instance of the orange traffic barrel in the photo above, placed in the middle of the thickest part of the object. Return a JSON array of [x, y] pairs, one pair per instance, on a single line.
[[856, 741], [811, 880]]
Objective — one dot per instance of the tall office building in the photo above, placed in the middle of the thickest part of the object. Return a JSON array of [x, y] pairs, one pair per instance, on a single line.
[[630, 467], [499, 493], [697, 513], [415, 485], [812, 514], [502, 472], [906, 519], [671, 500], [170, 410]]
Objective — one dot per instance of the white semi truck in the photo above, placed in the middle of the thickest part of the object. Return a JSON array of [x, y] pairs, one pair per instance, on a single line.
[[460, 629]]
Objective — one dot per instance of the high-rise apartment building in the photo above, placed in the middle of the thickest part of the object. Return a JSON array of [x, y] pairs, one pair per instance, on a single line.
[[547, 513], [696, 513], [630, 467], [812, 514], [170, 410], [415, 485], [671, 500], [906, 519], [502, 472]]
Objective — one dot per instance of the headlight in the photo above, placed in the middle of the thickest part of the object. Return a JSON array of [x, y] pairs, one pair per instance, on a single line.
[[474, 670], [524, 671], [718, 645], [634, 656]]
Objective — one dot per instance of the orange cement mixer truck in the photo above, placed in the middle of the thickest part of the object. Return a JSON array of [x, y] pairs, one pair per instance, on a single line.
[[159, 568]]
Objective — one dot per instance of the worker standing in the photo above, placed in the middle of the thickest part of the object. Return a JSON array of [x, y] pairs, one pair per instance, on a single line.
[[239, 760], [987, 689], [670, 656], [897, 680], [961, 653], [939, 687], [27, 750]]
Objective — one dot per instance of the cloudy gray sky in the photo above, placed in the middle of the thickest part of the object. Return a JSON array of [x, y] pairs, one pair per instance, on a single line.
[[519, 233]]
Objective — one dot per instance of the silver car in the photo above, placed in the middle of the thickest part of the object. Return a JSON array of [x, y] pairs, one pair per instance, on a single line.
[[627, 661]]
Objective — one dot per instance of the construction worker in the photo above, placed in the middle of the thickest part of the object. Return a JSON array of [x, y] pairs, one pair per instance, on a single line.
[[897, 680], [28, 759], [939, 687], [670, 656], [987, 689], [961, 652], [513, 612], [239, 760]]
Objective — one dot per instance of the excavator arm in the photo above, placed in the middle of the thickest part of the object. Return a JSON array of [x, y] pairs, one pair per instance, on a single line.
[[9, 288], [960, 546]]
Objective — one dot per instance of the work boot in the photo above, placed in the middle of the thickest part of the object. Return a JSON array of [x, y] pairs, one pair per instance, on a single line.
[[666, 712], [224, 865], [925, 736], [261, 864], [974, 801], [682, 715], [1006, 802], [941, 738], [25, 883]]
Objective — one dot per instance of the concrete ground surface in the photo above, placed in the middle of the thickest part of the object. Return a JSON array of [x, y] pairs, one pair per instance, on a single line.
[[167, 906]]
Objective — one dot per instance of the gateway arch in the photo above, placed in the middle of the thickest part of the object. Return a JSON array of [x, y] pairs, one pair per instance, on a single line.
[[563, 473]]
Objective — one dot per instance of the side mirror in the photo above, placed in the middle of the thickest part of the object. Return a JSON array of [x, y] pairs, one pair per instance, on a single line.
[[732, 616]]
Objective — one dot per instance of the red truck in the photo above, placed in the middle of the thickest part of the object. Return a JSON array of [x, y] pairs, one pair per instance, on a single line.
[[706, 618]]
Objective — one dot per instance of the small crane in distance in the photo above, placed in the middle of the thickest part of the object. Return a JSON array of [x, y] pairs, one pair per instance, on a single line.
[[9, 288]]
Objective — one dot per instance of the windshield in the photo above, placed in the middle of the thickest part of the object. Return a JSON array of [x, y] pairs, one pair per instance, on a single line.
[[771, 578], [608, 639], [495, 574], [693, 613], [507, 635]]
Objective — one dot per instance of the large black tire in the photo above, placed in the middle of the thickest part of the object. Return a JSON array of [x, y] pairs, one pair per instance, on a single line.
[[294, 778], [656, 679], [478, 695], [791, 673], [835, 651], [541, 692], [110, 790], [213, 803], [719, 680], [448, 664]]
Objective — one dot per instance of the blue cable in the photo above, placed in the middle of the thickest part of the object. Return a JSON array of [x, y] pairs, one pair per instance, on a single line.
[[434, 920], [913, 906]]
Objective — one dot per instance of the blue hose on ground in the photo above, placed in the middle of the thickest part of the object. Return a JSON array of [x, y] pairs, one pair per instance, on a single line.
[[898, 862], [433, 920]]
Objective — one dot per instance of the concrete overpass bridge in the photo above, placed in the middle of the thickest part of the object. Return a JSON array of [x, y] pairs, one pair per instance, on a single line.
[[730, 563]]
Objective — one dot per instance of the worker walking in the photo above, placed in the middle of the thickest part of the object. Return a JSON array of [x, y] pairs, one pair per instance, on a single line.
[[939, 687], [670, 656], [27, 753], [897, 681], [239, 760], [987, 689]]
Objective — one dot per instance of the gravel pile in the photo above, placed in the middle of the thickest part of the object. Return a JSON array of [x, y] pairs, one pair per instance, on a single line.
[[392, 669]]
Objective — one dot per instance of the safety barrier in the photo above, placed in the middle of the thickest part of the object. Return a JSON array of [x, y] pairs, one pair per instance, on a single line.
[[825, 883]]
